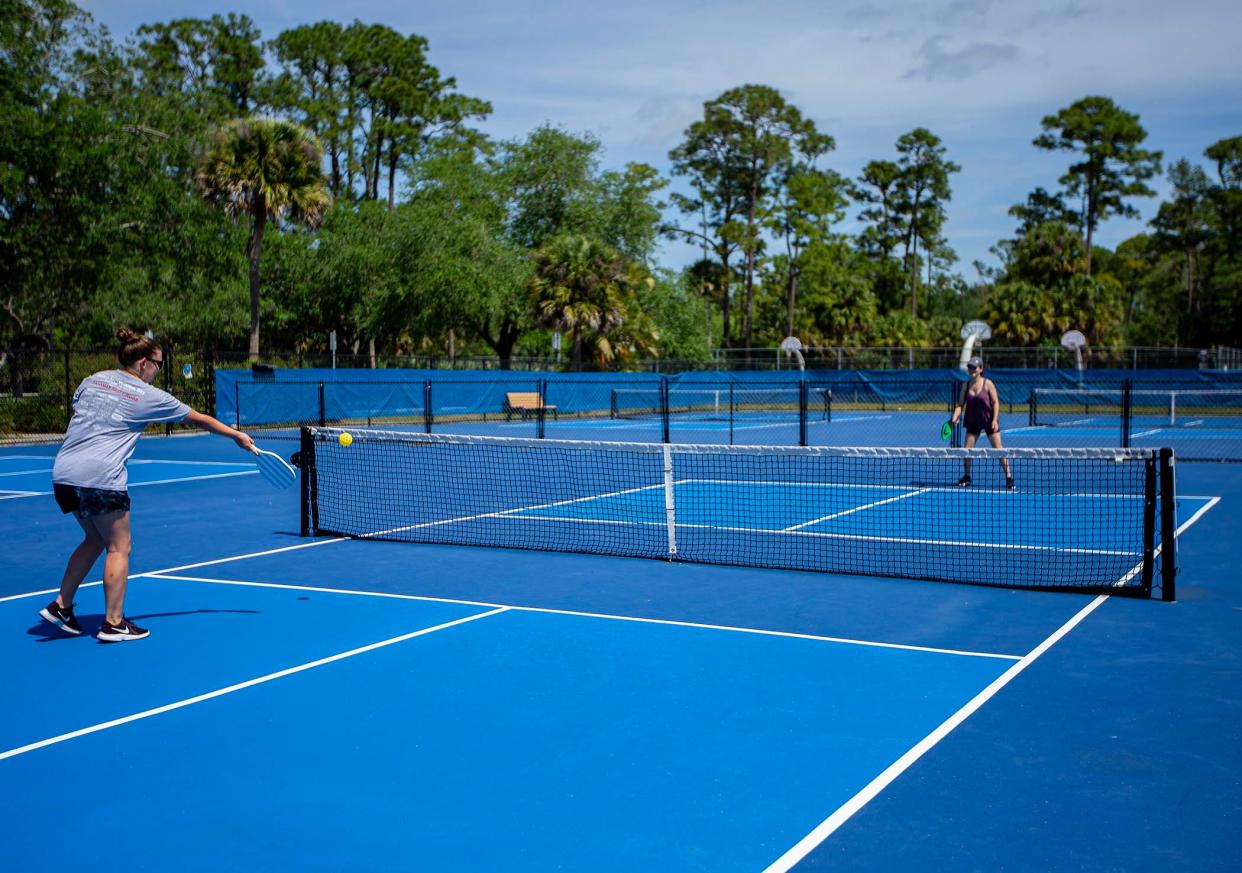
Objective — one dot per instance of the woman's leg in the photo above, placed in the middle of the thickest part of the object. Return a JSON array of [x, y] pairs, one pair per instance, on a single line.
[[113, 528], [995, 439], [80, 563], [970, 444]]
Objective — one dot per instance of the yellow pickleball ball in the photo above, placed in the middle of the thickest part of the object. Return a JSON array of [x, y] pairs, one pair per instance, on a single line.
[[345, 439]]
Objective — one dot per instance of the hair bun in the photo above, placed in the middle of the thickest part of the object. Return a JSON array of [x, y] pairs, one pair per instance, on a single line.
[[125, 335]]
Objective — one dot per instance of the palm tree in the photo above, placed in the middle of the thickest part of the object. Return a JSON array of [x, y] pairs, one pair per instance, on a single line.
[[579, 284], [263, 169]]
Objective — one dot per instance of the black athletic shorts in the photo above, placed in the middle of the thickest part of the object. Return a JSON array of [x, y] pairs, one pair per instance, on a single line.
[[87, 502], [975, 433]]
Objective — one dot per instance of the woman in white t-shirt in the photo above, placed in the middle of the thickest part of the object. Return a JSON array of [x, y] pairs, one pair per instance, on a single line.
[[110, 411]]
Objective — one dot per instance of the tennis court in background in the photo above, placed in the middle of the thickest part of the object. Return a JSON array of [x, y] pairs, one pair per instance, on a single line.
[[341, 704]]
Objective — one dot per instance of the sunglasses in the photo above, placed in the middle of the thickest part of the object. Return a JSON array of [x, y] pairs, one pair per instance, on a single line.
[[159, 363]]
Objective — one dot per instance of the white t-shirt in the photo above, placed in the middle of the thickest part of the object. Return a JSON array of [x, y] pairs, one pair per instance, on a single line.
[[110, 411]]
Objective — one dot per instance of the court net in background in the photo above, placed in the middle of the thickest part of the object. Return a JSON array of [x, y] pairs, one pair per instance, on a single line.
[[1080, 519], [1087, 407], [719, 404]]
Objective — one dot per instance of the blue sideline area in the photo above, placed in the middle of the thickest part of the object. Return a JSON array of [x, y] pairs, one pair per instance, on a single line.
[[349, 705]]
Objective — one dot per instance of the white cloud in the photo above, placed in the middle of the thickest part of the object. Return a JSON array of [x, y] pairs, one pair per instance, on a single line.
[[935, 62]]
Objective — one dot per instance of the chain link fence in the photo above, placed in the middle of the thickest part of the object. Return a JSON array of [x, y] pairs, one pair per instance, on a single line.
[[1199, 415]]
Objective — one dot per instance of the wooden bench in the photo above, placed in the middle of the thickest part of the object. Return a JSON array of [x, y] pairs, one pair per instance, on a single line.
[[524, 403]]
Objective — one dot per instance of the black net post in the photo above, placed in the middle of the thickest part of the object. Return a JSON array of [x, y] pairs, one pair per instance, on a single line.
[[237, 403], [1168, 527], [541, 417], [306, 463], [1127, 400], [1149, 523], [323, 419], [732, 403], [1031, 414], [802, 405], [427, 414]]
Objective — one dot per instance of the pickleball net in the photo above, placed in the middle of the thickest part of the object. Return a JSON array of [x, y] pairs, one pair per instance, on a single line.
[[730, 402], [1089, 520], [1142, 407]]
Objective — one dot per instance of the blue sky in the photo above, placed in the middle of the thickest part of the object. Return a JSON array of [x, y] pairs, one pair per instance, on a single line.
[[978, 73]]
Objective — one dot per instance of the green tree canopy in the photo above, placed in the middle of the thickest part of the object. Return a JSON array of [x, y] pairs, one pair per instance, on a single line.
[[579, 287], [1112, 167], [258, 169]]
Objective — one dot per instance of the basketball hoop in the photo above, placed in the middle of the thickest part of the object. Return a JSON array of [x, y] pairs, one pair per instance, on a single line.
[[972, 332], [1075, 342], [792, 347]]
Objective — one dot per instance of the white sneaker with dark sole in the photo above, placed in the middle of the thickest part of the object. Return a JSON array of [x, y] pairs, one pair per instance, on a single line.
[[121, 631]]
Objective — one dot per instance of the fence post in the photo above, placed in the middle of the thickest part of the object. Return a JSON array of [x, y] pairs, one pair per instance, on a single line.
[[322, 411], [664, 406], [802, 393], [427, 414], [541, 418], [68, 392], [167, 370], [1126, 410]]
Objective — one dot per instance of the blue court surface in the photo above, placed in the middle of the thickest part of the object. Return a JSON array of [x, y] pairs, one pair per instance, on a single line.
[[344, 705]]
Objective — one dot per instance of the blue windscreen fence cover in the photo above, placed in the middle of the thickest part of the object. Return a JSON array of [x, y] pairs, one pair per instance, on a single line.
[[245, 398]]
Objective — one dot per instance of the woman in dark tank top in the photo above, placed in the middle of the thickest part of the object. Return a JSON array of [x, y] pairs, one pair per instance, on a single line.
[[982, 407]]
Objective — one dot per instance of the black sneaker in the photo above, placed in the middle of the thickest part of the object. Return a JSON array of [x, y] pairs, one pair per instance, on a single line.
[[964, 482], [122, 630], [62, 617], [1009, 482]]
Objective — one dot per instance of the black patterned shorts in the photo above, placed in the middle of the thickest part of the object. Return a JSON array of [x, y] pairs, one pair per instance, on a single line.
[[88, 502]]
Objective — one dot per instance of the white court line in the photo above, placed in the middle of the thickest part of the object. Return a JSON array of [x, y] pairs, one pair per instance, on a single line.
[[1145, 433], [855, 509], [1051, 426], [944, 489], [248, 555], [861, 486], [162, 481], [14, 495], [605, 616], [829, 825], [506, 513], [600, 615], [191, 463], [26, 472], [27, 457], [511, 515], [847, 418], [1211, 501], [219, 692], [869, 792]]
